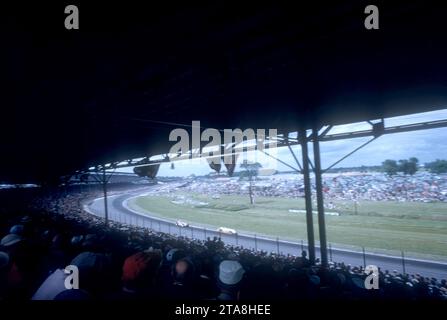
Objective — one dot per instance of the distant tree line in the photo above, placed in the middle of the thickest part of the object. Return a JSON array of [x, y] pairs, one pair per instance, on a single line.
[[437, 166], [410, 166], [392, 167], [355, 169]]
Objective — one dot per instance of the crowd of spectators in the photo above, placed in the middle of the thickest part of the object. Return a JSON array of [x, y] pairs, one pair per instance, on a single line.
[[420, 187], [122, 262]]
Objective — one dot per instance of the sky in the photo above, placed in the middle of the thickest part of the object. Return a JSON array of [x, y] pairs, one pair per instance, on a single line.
[[426, 145]]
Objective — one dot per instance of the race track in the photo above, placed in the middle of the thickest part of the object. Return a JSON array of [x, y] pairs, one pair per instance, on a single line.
[[119, 211]]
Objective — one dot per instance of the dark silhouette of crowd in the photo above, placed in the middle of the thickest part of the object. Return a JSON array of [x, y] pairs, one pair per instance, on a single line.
[[39, 239]]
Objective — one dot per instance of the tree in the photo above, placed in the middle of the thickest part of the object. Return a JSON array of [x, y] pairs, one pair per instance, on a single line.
[[403, 166], [250, 170], [409, 166], [390, 167], [412, 165], [438, 166]]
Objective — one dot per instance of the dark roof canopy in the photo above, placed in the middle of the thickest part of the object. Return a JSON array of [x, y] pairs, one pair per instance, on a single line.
[[107, 91]]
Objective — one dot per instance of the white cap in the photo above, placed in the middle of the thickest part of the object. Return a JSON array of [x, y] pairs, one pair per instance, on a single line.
[[10, 239], [230, 272]]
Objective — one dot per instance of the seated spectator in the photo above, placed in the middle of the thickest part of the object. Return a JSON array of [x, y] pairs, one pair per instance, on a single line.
[[94, 271], [10, 241], [229, 280], [261, 283], [139, 275], [52, 286], [4, 269], [297, 285], [17, 229], [181, 285]]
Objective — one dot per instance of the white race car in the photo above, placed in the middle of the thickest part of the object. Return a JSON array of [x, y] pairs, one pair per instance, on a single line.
[[226, 230], [182, 223]]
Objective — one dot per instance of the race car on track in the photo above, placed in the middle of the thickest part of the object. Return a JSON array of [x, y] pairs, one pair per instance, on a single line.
[[226, 230], [182, 223]]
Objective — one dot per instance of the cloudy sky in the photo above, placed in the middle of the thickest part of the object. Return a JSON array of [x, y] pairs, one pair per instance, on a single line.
[[426, 145]]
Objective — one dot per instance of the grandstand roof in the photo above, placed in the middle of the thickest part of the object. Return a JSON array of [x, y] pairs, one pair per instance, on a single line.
[[110, 90]]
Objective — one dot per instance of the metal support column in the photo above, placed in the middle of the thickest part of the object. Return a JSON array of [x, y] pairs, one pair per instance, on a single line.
[[320, 200], [307, 196], [104, 186]]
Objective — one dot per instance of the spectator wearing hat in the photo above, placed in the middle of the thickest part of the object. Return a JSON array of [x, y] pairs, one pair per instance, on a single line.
[[94, 272], [17, 229], [11, 240], [229, 280], [51, 287], [170, 258], [139, 275], [24, 258]]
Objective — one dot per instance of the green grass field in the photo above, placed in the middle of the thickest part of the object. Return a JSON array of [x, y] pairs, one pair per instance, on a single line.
[[420, 229]]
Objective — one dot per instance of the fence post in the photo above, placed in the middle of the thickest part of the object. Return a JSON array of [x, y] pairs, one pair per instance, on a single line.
[[330, 251], [204, 229], [256, 243], [364, 257], [192, 232], [302, 245], [237, 238], [277, 245], [403, 261], [151, 224], [159, 226]]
